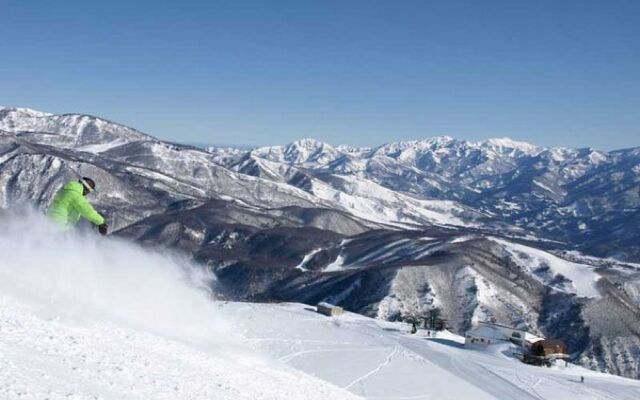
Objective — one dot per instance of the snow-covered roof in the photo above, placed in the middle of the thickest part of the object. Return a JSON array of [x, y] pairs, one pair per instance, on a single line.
[[328, 305], [531, 338]]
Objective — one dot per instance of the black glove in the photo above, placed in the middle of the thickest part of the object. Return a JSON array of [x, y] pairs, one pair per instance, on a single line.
[[102, 229]]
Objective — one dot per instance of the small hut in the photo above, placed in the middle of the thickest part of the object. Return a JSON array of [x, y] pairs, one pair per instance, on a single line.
[[549, 348], [544, 352], [329, 309]]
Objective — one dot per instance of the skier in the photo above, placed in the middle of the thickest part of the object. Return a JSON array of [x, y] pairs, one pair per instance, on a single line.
[[70, 204]]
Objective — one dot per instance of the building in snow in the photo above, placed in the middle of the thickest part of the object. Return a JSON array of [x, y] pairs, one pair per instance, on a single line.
[[549, 347], [544, 352], [329, 309], [486, 333]]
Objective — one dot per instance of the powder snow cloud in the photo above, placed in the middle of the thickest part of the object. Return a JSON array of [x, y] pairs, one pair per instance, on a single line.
[[80, 277]]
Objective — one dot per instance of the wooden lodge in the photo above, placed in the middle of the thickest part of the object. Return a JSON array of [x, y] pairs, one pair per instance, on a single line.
[[537, 350], [544, 352]]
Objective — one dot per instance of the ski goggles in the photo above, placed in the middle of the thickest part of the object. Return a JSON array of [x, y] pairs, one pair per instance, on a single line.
[[87, 186]]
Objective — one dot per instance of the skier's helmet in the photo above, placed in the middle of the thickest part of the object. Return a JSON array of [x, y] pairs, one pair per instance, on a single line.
[[88, 183]]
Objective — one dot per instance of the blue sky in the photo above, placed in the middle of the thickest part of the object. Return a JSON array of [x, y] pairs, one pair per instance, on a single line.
[[355, 72]]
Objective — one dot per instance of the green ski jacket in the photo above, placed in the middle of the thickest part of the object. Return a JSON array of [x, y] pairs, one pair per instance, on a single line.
[[69, 205]]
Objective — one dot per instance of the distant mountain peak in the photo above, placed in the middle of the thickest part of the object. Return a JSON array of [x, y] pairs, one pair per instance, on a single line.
[[21, 112], [67, 130], [299, 152], [441, 140], [309, 143], [306, 145], [509, 143]]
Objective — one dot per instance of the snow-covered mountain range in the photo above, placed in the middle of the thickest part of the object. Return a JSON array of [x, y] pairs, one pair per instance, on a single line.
[[540, 238], [585, 197]]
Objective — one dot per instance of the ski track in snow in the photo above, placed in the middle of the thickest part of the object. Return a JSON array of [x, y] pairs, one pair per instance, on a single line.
[[386, 362]]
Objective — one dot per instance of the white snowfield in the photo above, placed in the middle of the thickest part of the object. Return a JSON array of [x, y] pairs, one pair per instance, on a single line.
[[85, 317], [582, 278]]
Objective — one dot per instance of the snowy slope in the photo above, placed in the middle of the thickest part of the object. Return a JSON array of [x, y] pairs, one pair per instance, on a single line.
[[43, 358], [578, 278], [83, 317], [372, 202]]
